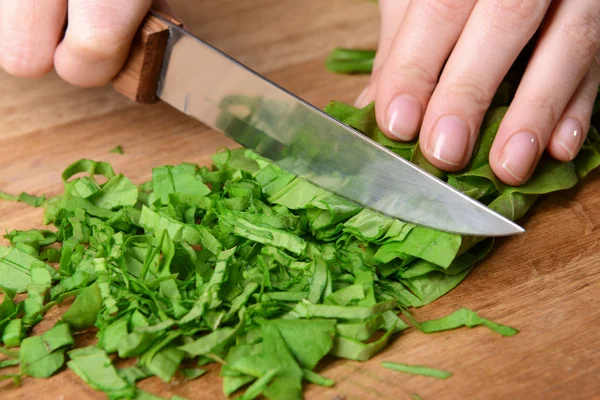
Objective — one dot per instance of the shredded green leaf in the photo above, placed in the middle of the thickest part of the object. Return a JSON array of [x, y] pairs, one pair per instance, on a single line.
[[29, 199], [417, 370], [117, 150], [459, 318], [243, 264]]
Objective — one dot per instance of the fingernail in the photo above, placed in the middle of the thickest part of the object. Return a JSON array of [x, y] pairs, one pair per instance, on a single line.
[[404, 116], [569, 136], [450, 139], [519, 154], [361, 97]]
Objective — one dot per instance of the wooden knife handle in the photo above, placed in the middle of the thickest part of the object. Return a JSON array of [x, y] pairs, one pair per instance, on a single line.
[[138, 80]]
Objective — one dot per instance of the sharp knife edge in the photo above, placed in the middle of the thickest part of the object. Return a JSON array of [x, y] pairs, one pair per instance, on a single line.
[[205, 83]]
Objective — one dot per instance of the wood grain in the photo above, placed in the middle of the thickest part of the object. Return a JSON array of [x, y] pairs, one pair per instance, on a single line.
[[138, 80], [545, 283]]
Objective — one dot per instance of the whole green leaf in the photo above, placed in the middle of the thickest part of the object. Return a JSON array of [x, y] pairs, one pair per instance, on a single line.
[[588, 158]]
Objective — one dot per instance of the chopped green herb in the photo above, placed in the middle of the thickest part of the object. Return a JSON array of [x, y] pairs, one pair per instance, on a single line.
[[37, 360], [243, 264], [15, 378], [11, 362], [459, 318], [192, 373], [417, 370], [95, 368], [317, 379], [259, 385], [29, 199], [348, 61], [13, 333], [83, 313], [42, 356], [117, 150]]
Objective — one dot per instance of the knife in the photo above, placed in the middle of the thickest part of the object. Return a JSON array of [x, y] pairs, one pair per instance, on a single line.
[[168, 63]]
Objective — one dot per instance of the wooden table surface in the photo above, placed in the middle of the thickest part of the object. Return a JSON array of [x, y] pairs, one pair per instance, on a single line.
[[545, 283]]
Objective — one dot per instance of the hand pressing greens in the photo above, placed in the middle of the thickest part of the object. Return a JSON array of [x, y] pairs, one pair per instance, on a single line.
[[242, 264]]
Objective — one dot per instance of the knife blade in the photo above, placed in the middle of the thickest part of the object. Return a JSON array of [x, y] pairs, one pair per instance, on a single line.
[[208, 85]]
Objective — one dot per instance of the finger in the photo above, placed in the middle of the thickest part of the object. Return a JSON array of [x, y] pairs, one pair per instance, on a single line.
[[162, 6], [29, 33], [570, 132], [565, 52], [426, 37], [493, 37], [98, 39], [391, 15]]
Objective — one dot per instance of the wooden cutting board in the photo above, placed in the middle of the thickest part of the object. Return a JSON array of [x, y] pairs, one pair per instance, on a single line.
[[545, 283]]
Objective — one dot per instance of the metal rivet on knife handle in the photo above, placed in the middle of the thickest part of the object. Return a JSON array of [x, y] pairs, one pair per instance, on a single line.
[[138, 80]]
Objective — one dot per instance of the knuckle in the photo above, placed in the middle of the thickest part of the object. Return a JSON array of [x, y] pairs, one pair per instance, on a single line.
[[583, 33], [589, 97], [477, 92], [25, 61], [100, 32], [96, 43], [511, 15], [545, 107], [414, 72], [447, 10]]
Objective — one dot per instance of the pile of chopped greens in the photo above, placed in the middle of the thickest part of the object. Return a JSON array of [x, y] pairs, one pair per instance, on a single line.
[[242, 264]]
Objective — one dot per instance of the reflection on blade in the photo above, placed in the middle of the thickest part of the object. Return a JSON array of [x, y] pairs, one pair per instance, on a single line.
[[206, 84]]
